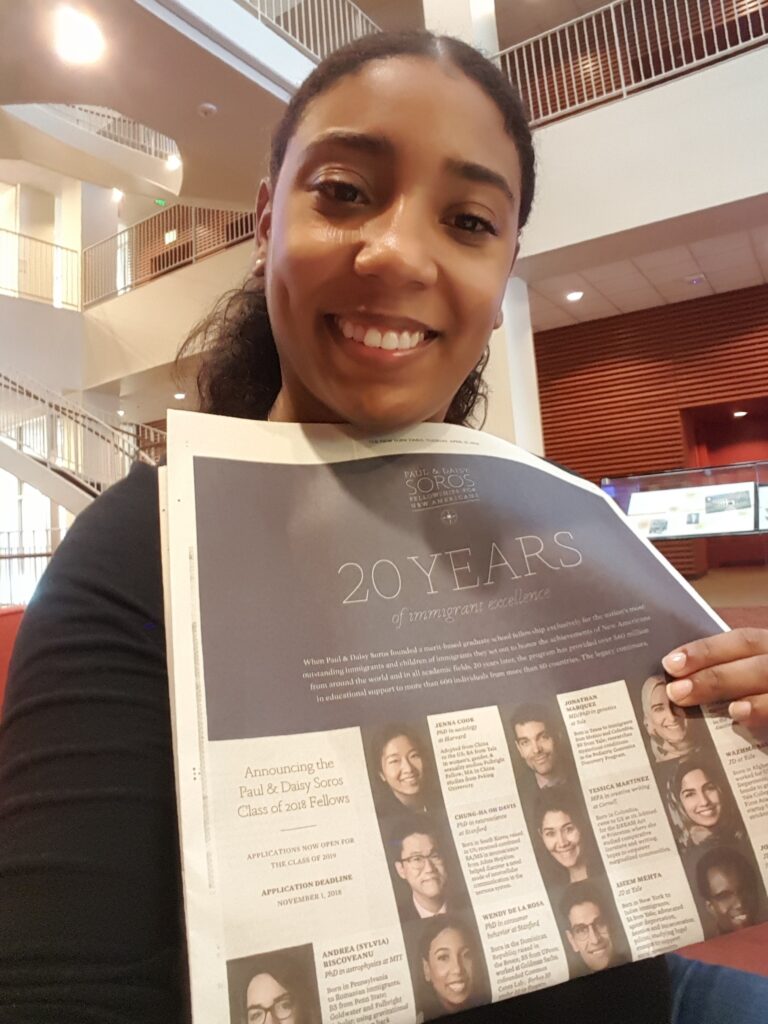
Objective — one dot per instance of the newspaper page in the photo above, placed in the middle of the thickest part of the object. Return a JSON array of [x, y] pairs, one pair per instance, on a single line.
[[425, 758]]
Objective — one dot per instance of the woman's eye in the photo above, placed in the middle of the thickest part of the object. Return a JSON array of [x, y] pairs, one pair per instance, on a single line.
[[473, 224], [339, 191]]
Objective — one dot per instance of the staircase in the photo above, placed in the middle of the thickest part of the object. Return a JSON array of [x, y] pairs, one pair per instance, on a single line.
[[62, 449]]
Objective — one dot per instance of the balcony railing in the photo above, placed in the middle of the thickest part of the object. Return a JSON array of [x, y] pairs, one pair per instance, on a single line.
[[626, 46], [112, 125], [33, 269], [68, 439], [318, 26], [24, 557], [161, 243]]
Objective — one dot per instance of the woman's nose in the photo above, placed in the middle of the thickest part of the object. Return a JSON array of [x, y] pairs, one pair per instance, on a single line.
[[396, 248]]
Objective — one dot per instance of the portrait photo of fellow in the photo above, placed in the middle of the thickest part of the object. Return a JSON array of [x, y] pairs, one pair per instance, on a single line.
[[732, 894], [425, 871], [541, 753], [594, 939], [448, 966], [564, 842], [671, 732], [701, 805], [274, 988], [401, 768]]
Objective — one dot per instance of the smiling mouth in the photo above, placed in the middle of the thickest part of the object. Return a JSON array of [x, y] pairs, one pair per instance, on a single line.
[[391, 337]]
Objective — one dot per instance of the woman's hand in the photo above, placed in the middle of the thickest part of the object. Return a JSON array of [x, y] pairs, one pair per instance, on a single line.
[[729, 667]]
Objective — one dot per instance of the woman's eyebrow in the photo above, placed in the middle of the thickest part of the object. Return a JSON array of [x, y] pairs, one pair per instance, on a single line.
[[361, 142], [471, 171]]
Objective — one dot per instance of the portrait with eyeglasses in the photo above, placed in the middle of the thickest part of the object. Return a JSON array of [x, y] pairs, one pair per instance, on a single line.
[[274, 988], [426, 874], [594, 937]]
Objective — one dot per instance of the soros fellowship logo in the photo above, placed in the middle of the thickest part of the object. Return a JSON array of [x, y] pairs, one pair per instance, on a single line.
[[438, 486]]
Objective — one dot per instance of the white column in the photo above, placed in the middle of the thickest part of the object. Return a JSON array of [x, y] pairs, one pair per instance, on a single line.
[[521, 368], [474, 21]]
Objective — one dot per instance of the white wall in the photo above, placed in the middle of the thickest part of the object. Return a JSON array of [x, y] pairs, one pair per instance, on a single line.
[[42, 342], [36, 214], [685, 146], [144, 328]]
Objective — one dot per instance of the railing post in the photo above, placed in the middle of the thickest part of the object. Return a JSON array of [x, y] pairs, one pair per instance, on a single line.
[[619, 51], [194, 234]]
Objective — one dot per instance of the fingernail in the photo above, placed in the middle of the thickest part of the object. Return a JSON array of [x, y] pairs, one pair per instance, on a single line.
[[674, 662], [739, 710], [679, 690]]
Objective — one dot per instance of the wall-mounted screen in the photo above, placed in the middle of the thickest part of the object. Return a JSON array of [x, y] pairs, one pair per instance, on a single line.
[[697, 511]]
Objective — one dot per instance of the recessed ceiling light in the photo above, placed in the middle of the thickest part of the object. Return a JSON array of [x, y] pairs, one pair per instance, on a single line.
[[180, 395], [574, 296], [77, 38], [121, 412], [207, 110], [696, 279], [737, 415], [173, 162], [117, 195]]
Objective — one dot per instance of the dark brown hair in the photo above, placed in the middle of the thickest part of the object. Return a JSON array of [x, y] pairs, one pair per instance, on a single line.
[[240, 370]]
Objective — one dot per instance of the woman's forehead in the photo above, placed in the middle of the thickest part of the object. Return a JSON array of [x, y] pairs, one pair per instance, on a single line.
[[415, 102]]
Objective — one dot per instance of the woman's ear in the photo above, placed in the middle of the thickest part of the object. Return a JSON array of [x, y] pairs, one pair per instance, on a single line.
[[263, 220], [499, 320]]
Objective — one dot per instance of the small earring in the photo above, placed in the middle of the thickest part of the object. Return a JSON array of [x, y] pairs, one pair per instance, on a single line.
[[259, 265]]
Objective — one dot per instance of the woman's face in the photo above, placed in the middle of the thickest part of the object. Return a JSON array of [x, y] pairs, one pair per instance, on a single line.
[[667, 721], [562, 838], [402, 768], [701, 798], [267, 1002], [389, 240], [450, 968]]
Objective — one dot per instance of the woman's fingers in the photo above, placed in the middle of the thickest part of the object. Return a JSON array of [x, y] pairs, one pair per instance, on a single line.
[[731, 667]]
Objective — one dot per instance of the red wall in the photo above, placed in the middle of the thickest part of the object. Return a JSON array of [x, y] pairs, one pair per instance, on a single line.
[[617, 394]]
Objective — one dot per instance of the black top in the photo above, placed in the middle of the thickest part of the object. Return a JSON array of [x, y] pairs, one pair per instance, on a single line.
[[90, 903]]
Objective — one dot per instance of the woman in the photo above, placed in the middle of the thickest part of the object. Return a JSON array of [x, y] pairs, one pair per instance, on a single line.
[[368, 224], [666, 724], [403, 768], [566, 837], [274, 995], [701, 804], [452, 965]]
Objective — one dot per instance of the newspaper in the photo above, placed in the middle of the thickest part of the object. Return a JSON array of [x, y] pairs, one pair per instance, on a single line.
[[425, 759]]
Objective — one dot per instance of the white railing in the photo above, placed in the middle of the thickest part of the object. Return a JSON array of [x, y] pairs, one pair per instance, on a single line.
[[626, 46], [167, 240], [33, 269], [24, 557], [318, 26], [70, 440], [112, 125]]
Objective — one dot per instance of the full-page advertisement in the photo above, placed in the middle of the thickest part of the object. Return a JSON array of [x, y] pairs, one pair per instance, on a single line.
[[425, 757]]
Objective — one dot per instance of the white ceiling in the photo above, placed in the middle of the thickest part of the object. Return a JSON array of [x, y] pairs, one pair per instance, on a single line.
[[725, 263]]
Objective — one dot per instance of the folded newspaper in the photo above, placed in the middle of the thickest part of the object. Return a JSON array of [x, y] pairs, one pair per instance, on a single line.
[[425, 758]]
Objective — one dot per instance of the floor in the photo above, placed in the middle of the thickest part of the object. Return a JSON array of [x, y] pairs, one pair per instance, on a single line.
[[742, 588]]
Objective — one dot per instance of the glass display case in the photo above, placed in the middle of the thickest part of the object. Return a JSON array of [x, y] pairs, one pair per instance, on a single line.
[[710, 502]]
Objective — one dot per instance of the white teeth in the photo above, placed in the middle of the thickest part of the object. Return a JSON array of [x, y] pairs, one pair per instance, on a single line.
[[373, 337]]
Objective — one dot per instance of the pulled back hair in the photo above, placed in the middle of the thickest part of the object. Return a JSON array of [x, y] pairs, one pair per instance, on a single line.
[[240, 371]]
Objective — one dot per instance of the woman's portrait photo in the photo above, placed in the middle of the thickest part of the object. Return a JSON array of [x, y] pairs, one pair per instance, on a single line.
[[274, 988], [567, 847], [452, 969], [402, 772], [670, 731], [701, 804]]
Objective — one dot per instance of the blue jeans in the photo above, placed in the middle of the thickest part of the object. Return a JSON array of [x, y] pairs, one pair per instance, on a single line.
[[704, 994]]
